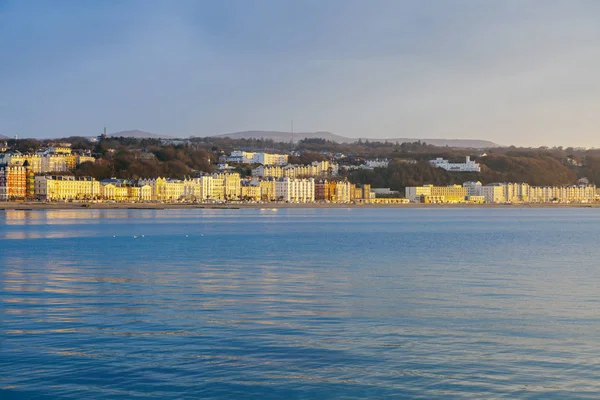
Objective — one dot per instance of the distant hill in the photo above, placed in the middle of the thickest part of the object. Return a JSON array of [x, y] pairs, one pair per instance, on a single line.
[[279, 136], [2, 137], [140, 135]]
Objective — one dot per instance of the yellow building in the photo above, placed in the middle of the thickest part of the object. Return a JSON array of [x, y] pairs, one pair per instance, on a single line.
[[250, 192], [217, 190], [452, 194], [314, 170], [71, 161], [114, 192], [67, 188], [165, 189], [438, 194], [268, 189], [83, 158], [231, 185]]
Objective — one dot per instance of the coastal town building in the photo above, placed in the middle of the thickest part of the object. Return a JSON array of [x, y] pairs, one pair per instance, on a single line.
[[316, 169], [467, 166], [293, 190], [473, 188], [268, 188], [14, 182], [494, 193], [246, 157], [124, 190], [250, 192], [436, 194], [416, 193], [231, 185], [61, 187], [377, 163], [53, 159], [340, 191], [369, 164]]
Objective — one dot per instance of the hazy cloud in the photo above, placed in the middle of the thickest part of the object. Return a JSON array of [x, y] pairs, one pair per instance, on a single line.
[[512, 71]]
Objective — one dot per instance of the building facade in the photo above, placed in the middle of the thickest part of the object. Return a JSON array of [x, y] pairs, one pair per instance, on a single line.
[[13, 182], [467, 166], [295, 190], [54, 188]]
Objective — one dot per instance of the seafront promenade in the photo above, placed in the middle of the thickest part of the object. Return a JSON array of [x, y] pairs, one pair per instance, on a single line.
[[162, 206]]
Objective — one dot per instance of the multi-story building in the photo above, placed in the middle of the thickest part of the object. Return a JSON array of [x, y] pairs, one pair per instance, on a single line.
[[206, 187], [165, 189], [295, 190], [67, 188], [250, 192], [268, 188], [563, 194], [494, 193], [364, 192], [231, 185], [467, 166], [517, 192], [322, 192], [344, 192], [377, 163], [45, 162], [55, 163], [246, 157], [335, 191], [125, 190], [217, 190], [452, 193], [14, 182], [436, 194], [416, 193], [473, 188], [317, 169], [61, 148]]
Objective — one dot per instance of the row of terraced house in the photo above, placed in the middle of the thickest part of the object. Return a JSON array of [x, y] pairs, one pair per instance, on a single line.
[[19, 183], [476, 192]]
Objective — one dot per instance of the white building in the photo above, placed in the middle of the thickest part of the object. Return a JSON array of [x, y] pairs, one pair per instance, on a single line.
[[467, 166], [246, 157], [377, 163], [295, 190], [473, 188]]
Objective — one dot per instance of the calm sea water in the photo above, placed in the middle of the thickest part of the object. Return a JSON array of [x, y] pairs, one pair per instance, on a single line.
[[299, 304]]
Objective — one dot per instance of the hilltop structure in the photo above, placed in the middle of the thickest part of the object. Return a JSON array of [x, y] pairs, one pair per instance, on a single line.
[[467, 166]]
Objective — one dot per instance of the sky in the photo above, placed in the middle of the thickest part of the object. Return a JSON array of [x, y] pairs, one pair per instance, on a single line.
[[512, 71]]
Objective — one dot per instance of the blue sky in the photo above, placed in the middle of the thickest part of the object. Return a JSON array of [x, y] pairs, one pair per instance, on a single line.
[[515, 72]]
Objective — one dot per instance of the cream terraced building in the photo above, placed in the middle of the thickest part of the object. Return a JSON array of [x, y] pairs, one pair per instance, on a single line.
[[42, 163], [314, 170], [295, 190], [54, 188], [447, 194], [231, 185]]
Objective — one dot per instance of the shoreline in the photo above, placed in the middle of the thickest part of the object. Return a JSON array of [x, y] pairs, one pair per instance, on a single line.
[[27, 206]]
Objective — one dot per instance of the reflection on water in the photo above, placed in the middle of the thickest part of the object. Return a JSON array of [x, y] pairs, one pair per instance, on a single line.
[[300, 304]]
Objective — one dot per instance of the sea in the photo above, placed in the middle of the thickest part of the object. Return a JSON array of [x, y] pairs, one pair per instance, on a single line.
[[404, 303]]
